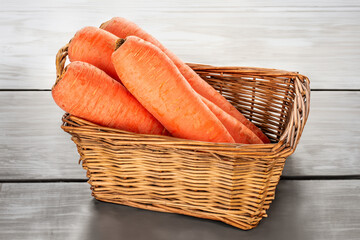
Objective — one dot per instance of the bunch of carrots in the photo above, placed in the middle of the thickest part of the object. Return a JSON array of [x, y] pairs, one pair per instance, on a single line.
[[121, 77]]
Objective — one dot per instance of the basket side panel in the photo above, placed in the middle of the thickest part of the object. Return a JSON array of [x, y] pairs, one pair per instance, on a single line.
[[235, 190], [264, 100]]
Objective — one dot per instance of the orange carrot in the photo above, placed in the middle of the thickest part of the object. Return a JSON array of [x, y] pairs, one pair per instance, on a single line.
[[123, 28], [94, 46], [237, 130], [156, 82], [88, 92]]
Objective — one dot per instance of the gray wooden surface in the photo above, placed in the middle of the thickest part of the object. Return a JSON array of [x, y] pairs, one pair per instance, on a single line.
[[43, 194], [302, 210], [34, 146], [317, 38], [330, 143]]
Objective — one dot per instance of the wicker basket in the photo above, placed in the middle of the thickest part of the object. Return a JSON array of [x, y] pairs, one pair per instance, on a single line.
[[232, 183]]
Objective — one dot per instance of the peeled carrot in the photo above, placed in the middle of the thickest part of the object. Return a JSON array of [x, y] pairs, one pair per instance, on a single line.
[[123, 28], [156, 82], [241, 118], [94, 46], [237, 130], [88, 92]]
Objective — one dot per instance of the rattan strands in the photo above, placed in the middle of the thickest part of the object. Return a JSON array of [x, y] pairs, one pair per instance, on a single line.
[[232, 183]]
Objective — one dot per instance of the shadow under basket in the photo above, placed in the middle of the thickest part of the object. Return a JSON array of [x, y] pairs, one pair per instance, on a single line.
[[232, 183]]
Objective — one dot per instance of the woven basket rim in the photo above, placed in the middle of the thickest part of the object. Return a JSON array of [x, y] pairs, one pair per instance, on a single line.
[[69, 119], [284, 147], [258, 71]]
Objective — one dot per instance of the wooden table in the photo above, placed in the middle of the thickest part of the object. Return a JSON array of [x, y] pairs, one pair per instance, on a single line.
[[43, 191]]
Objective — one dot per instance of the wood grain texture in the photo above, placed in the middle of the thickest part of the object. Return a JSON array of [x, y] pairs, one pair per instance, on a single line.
[[34, 147], [302, 210], [32, 144], [330, 143], [318, 39]]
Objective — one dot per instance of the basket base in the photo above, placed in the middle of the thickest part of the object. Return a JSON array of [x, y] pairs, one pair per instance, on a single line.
[[244, 223]]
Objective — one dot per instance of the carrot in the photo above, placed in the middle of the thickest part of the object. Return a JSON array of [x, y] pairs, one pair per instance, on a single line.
[[94, 46], [237, 130], [88, 92], [241, 118], [156, 82], [123, 28]]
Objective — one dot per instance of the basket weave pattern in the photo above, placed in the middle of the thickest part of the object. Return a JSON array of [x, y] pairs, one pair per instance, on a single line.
[[233, 183]]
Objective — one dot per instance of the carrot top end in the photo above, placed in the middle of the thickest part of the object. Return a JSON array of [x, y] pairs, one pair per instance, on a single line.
[[119, 42], [103, 25]]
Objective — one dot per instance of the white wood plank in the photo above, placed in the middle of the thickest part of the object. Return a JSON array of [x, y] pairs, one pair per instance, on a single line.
[[317, 38], [302, 210], [330, 143]]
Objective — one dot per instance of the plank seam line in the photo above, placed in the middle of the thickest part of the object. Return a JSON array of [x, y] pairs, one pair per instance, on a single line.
[[73, 180], [283, 178], [324, 177]]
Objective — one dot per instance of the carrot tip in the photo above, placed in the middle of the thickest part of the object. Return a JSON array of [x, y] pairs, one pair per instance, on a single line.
[[119, 42]]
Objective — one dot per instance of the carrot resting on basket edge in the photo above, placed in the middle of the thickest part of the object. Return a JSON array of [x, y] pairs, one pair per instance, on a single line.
[[87, 92], [123, 28], [237, 130], [156, 82]]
